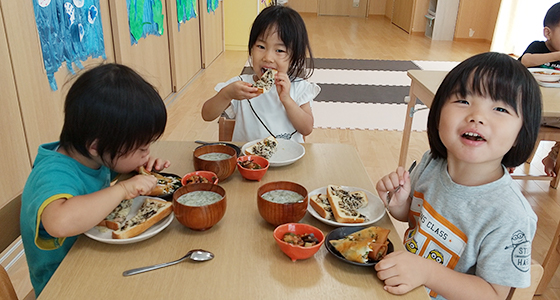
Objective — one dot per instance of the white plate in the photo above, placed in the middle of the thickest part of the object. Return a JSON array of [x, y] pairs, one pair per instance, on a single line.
[[287, 152], [545, 76], [105, 235], [374, 211]]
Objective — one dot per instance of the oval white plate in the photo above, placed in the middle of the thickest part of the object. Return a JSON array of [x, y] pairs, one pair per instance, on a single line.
[[105, 235], [547, 78], [288, 152], [373, 211]]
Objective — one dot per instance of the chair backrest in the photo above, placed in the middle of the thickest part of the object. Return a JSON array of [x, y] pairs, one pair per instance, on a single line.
[[225, 129], [9, 222], [528, 292]]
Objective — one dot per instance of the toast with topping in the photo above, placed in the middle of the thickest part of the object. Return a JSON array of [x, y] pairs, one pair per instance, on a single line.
[[151, 212], [265, 148], [322, 206], [345, 204], [266, 82], [115, 219]]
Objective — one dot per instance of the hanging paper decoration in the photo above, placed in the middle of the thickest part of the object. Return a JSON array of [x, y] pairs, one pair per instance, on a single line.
[[144, 17], [212, 5], [69, 31], [186, 10]]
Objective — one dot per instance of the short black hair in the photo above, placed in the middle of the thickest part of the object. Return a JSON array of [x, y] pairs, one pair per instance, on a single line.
[[499, 77], [291, 30], [114, 105], [552, 17]]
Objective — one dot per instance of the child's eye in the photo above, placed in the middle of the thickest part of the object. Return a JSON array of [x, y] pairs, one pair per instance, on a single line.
[[260, 46], [280, 50], [462, 101], [501, 109]]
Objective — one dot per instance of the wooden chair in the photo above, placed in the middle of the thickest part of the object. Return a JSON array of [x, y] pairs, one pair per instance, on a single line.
[[225, 129], [551, 261], [528, 292], [545, 134], [9, 222]]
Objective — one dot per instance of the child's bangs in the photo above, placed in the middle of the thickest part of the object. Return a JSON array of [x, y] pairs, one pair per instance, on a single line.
[[487, 81]]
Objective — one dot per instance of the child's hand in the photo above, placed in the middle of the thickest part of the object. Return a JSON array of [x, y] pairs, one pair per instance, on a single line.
[[390, 183], [156, 164], [240, 90], [138, 185], [402, 271], [283, 85]]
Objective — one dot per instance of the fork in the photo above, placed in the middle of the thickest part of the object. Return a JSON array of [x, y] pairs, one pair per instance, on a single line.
[[391, 193]]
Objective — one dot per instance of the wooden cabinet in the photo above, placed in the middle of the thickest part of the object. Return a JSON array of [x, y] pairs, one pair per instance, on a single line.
[[212, 28], [403, 13]]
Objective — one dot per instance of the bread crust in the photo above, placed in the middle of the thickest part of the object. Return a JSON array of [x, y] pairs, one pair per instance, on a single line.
[[343, 211], [164, 210], [318, 204]]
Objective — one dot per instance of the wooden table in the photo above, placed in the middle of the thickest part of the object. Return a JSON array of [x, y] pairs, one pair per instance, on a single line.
[[247, 265], [424, 86]]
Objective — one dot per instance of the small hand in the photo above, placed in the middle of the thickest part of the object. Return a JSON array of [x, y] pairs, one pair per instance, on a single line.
[[138, 185], [283, 85], [240, 90], [156, 164], [402, 271]]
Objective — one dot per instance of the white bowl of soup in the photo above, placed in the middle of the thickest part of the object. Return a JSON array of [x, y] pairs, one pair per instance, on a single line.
[[281, 202]]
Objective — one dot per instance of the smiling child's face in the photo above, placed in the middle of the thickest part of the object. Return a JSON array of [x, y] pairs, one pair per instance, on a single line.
[[477, 129]]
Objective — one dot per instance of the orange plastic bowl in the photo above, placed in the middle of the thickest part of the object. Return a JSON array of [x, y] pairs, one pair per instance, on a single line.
[[293, 251], [211, 176], [253, 174]]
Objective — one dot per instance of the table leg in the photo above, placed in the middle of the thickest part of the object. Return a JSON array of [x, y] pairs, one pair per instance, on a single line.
[[551, 262], [407, 128]]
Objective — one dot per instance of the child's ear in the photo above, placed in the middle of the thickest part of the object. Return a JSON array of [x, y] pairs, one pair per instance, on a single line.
[[92, 149], [547, 32]]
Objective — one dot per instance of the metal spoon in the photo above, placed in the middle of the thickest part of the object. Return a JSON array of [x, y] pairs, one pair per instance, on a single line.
[[391, 193], [196, 255]]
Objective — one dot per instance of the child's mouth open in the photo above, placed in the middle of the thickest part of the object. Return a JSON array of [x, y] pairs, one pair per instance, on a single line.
[[473, 136]]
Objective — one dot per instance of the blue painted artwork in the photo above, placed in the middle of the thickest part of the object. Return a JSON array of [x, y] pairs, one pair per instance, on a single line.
[[212, 5], [186, 10], [69, 31], [144, 17]]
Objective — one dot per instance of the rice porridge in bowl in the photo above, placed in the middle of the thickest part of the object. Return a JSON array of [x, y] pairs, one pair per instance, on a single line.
[[282, 202], [217, 158], [199, 206]]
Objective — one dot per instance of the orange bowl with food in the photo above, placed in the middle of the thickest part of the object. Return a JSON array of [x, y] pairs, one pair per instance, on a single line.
[[252, 167], [282, 202], [217, 158], [200, 177], [199, 206], [298, 241]]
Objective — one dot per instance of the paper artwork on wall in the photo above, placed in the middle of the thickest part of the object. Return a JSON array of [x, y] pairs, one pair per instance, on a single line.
[[144, 17], [69, 31], [186, 10], [212, 5]]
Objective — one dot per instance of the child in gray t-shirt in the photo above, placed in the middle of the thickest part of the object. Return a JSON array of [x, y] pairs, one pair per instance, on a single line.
[[470, 227]]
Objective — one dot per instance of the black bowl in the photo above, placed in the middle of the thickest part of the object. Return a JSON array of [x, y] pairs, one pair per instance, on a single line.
[[342, 232]]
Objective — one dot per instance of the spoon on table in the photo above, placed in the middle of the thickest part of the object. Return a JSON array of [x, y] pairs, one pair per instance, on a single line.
[[196, 255], [391, 193]]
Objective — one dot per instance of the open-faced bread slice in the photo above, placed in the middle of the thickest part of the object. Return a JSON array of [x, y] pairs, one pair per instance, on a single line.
[[265, 148], [321, 204], [345, 204], [266, 82], [151, 212], [165, 184], [367, 244], [115, 219]]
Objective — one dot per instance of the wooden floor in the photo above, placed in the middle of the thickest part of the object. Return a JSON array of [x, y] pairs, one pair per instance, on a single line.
[[359, 38]]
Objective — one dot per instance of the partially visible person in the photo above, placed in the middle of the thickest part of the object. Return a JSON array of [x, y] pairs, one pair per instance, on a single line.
[[470, 227], [111, 117], [278, 40], [547, 54]]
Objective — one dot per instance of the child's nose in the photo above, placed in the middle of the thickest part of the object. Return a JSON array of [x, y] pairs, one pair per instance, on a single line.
[[477, 117]]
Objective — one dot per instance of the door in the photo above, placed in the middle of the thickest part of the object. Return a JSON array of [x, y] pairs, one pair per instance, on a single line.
[[402, 14]]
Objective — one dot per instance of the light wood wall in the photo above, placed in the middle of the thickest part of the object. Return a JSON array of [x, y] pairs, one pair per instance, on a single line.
[[478, 15], [33, 113]]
